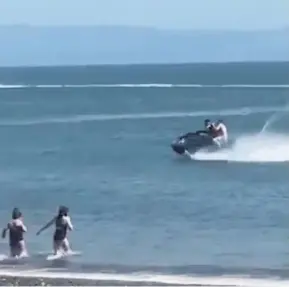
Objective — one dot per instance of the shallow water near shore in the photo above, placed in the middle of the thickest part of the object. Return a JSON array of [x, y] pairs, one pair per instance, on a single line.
[[101, 145]]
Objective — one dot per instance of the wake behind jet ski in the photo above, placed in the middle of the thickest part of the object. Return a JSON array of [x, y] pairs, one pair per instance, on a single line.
[[213, 138]]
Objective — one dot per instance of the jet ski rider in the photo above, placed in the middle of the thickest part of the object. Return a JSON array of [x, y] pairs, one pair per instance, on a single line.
[[221, 132], [209, 129], [217, 131]]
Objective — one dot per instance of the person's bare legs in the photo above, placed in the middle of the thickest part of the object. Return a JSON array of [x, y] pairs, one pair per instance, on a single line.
[[65, 245], [18, 249], [23, 249], [57, 246]]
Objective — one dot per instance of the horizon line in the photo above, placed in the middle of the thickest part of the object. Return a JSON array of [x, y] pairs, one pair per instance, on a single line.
[[27, 25], [146, 64]]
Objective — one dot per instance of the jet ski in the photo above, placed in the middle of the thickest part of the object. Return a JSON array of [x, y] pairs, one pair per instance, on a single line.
[[195, 141]]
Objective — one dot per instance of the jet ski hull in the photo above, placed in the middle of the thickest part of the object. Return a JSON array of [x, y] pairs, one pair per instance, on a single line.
[[193, 142]]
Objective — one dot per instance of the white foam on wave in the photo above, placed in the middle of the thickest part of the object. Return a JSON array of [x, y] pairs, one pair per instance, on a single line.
[[12, 86], [112, 117], [143, 85], [264, 147], [154, 278]]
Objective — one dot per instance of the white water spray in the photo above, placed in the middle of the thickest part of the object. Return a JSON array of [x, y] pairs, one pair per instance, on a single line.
[[272, 119], [252, 148], [264, 146]]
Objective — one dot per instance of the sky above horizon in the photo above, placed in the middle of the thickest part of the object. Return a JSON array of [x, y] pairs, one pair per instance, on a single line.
[[167, 14]]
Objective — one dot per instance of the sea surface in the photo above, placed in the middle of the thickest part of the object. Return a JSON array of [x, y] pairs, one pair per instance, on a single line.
[[97, 139]]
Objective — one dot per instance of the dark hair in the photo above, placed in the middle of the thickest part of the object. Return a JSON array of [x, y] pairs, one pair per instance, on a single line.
[[62, 211], [16, 213]]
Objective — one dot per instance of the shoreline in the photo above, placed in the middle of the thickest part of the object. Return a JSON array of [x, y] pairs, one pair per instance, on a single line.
[[28, 278], [13, 280]]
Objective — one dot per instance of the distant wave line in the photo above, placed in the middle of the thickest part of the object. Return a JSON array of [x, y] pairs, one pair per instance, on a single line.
[[148, 85], [141, 116]]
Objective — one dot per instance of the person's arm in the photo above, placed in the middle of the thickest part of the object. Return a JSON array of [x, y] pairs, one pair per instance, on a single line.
[[4, 230], [46, 226], [69, 224], [24, 228]]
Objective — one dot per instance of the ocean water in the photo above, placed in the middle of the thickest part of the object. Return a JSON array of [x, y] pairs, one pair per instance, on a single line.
[[97, 139]]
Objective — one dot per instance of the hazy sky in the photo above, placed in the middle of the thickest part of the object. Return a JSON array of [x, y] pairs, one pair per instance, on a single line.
[[189, 14]]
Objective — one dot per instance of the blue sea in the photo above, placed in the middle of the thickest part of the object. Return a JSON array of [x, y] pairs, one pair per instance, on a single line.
[[97, 139]]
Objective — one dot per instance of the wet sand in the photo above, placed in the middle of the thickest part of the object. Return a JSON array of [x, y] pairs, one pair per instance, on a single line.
[[35, 281]]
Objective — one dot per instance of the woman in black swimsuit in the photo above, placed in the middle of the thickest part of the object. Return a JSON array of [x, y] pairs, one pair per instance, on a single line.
[[62, 224]]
